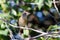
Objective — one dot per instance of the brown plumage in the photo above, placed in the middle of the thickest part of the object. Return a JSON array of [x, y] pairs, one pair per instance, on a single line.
[[23, 19]]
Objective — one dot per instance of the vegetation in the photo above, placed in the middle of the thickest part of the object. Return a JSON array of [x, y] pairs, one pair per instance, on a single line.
[[12, 10]]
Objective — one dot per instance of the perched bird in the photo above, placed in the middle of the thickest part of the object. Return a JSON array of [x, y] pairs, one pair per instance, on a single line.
[[43, 19], [23, 19]]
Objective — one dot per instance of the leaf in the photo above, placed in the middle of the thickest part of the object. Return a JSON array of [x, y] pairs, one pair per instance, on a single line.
[[28, 1], [39, 38], [19, 14], [2, 26], [14, 12], [42, 38], [57, 38], [1, 22], [40, 3], [4, 7], [4, 32], [50, 38], [48, 3], [55, 26], [49, 28], [36, 1], [2, 1], [24, 7], [3, 15], [26, 32]]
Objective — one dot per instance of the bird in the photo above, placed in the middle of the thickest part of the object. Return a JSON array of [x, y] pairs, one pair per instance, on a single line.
[[22, 21]]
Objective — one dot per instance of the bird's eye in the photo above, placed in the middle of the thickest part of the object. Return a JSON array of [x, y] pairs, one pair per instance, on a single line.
[[24, 14]]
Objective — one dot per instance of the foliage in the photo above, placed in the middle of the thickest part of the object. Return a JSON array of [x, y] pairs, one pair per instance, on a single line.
[[10, 11]]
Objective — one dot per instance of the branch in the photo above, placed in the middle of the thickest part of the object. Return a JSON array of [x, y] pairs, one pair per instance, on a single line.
[[48, 34], [26, 28], [55, 6]]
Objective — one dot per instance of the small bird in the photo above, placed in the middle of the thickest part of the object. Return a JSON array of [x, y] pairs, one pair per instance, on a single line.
[[23, 19]]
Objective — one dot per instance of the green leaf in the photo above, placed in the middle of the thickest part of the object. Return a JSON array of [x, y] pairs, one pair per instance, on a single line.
[[28, 1], [42, 38], [36, 1], [55, 26], [3, 15], [19, 14], [26, 32], [1, 22], [50, 38], [2, 1], [48, 3], [2, 26], [50, 27], [57, 38], [24, 7], [39, 38], [4, 6], [40, 3], [14, 12], [4, 32]]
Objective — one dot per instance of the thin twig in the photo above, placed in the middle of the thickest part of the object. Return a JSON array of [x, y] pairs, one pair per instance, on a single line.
[[26, 28], [49, 34], [11, 34], [55, 6]]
